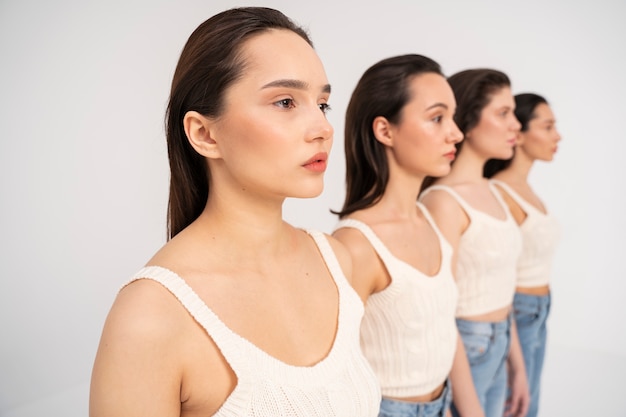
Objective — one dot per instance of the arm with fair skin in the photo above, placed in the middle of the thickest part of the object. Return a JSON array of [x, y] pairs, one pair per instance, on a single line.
[[136, 371], [519, 400], [465, 398], [152, 359], [452, 222], [367, 270]]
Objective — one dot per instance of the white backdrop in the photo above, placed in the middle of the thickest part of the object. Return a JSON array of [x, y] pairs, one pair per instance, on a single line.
[[84, 174]]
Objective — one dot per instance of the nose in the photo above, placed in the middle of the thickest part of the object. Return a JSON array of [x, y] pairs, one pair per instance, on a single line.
[[557, 135], [515, 124], [455, 133], [320, 127]]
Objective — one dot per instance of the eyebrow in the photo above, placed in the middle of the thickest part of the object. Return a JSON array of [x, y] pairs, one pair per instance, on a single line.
[[445, 106], [295, 84]]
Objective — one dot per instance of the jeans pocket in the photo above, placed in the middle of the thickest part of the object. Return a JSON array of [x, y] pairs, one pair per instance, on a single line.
[[477, 347], [525, 314]]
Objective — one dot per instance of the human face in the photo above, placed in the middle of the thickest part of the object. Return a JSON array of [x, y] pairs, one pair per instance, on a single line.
[[540, 140], [495, 135], [424, 139], [273, 137]]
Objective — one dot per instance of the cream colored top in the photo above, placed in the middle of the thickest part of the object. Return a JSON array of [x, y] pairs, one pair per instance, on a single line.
[[540, 236], [409, 331], [341, 385], [487, 255]]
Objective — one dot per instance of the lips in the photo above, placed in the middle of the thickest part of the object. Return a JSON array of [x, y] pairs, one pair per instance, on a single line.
[[450, 155], [317, 163]]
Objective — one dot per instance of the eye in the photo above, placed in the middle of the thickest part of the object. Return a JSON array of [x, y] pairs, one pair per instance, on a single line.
[[324, 107], [286, 103], [437, 119]]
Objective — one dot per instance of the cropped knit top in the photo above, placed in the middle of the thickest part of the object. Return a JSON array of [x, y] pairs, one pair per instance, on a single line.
[[540, 236], [342, 384], [408, 333], [487, 256]]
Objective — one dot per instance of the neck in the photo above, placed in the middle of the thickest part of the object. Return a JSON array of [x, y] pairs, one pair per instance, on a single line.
[[519, 169], [241, 223], [400, 196], [468, 167]]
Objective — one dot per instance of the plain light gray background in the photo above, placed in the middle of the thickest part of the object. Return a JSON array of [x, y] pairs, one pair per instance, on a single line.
[[84, 175]]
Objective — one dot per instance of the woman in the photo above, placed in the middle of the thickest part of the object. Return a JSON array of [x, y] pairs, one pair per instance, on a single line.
[[399, 129], [240, 313], [486, 239], [537, 140]]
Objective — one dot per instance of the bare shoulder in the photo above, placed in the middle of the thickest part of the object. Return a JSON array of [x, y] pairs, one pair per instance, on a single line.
[[516, 210], [441, 204], [368, 276], [343, 255], [139, 339], [447, 213], [142, 321], [355, 243]]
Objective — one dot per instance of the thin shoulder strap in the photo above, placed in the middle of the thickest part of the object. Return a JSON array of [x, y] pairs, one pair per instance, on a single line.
[[500, 200], [514, 195], [385, 255], [445, 246], [464, 205], [332, 263], [223, 337]]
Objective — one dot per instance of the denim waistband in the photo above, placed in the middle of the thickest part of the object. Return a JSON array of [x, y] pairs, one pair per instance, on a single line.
[[533, 300], [442, 403], [484, 327]]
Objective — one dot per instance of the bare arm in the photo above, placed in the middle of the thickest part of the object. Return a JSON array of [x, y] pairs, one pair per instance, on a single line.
[[368, 274], [135, 371], [518, 402], [464, 394], [452, 221]]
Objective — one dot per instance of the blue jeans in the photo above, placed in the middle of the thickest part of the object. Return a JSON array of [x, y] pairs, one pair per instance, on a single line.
[[531, 312], [435, 408], [487, 347]]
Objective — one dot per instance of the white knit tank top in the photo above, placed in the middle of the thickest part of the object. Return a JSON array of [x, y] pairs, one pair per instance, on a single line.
[[540, 236], [408, 333], [342, 384], [487, 256]]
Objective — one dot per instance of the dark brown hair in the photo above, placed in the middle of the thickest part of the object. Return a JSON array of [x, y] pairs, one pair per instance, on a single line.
[[383, 90], [209, 64]]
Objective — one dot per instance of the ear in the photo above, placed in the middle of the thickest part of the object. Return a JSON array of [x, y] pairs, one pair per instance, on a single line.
[[199, 129], [521, 136], [383, 130]]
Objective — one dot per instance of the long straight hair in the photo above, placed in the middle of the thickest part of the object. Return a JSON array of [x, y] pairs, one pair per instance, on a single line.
[[209, 64], [383, 90]]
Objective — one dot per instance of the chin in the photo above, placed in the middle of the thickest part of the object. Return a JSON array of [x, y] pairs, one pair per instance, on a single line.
[[307, 192], [506, 155]]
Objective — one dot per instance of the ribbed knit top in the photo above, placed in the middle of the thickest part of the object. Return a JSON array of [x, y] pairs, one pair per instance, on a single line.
[[342, 384], [487, 257], [408, 333], [540, 236]]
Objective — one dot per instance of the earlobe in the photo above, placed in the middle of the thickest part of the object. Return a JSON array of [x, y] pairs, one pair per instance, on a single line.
[[198, 129], [382, 130]]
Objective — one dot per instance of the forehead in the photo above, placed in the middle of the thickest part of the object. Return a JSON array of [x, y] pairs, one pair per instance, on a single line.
[[543, 112], [430, 88], [281, 54], [501, 97]]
